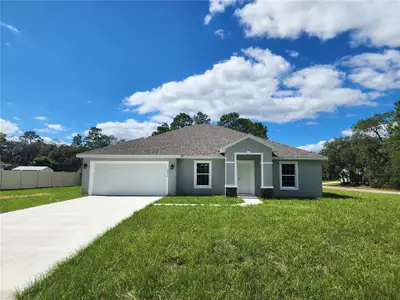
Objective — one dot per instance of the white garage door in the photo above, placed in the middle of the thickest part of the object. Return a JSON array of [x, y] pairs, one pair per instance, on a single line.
[[128, 178]]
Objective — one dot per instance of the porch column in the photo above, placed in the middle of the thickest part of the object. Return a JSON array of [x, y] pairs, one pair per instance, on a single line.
[[230, 182]]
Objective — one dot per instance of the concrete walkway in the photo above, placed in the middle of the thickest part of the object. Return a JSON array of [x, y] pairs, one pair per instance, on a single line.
[[34, 239], [374, 191], [248, 200]]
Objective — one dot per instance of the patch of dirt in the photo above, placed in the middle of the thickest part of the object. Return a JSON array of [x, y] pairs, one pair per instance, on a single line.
[[24, 196]]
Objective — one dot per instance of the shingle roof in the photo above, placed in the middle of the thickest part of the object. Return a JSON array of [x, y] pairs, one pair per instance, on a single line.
[[195, 140]]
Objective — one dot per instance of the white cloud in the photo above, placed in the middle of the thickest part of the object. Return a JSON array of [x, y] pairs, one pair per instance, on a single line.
[[8, 127], [9, 27], [313, 147], [48, 140], [56, 127], [347, 132], [161, 119], [349, 115], [129, 129], [311, 123], [51, 128], [292, 53], [378, 71], [369, 22], [258, 84], [71, 136], [41, 118], [16, 118], [217, 6], [220, 33]]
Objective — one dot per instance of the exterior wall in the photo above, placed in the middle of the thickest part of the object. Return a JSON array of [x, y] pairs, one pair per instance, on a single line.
[[171, 175], [185, 178], [250, 146], [310, 180], [36, 179]]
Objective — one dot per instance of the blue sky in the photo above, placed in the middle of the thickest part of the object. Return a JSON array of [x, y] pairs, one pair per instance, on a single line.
[[128, 66]]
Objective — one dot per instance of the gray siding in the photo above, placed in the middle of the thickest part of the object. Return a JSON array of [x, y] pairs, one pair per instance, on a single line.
[[185, 178], [245, 146], [310, 180], [171, 176]]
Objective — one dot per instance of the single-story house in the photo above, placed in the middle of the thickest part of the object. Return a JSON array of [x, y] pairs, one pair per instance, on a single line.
[[33, 168], [202, 160]]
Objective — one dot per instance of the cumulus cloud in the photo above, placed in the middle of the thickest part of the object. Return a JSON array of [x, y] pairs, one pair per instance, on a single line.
[[48, 140], [129, 129], [41, 118], [378, 71], [313, 147], [369, 22], [258, 84], [9, 27], [347, 132], [220, 33], [8, 127], [51, 128]]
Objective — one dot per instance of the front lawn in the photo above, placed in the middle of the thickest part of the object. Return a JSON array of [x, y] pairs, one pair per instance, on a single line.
[[344, 246], [200, 200], [20, 199]]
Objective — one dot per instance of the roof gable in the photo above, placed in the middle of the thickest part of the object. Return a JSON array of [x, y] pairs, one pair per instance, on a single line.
[[252, 137]]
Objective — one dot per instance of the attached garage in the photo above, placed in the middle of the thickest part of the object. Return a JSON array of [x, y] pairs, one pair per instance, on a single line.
[[140, 178]]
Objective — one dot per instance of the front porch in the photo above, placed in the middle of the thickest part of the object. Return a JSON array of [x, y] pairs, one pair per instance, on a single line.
[[248, 175]]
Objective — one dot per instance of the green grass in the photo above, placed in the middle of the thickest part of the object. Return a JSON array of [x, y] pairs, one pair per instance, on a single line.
[[344, 246], [53, 195], [200, 200]]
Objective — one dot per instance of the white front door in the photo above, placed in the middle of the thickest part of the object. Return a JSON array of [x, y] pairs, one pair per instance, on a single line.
[[245, 176]]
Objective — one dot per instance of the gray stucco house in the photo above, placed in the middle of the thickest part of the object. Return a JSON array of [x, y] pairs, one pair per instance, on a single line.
[[202, 160]]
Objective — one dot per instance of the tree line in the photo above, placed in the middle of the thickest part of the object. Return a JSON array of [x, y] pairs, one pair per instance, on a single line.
[[230, 120], [371, 155], [29, 149]]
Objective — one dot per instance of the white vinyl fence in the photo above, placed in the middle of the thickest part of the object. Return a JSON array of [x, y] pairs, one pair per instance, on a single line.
[[10, 180]]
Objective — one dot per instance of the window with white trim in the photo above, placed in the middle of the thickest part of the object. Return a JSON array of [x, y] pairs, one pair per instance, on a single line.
[[202, 174], [288, 175]]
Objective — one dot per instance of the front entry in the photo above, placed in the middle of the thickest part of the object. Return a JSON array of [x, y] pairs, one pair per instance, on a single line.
[[245, 176]]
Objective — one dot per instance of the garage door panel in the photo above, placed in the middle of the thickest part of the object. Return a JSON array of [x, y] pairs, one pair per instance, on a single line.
[[129, 178]]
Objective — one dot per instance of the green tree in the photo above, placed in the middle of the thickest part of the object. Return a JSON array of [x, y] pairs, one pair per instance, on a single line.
[[201, 118], [161, 129], [96, 139], [341, 156], [30, 137], [44, 161], [233, 121], [181, 121], [77, 141]]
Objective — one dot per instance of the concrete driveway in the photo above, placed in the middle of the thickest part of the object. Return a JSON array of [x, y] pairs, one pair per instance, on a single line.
[[34, 239]]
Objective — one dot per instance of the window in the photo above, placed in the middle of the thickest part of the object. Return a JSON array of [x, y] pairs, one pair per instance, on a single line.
[[288, 175], [202, 174]]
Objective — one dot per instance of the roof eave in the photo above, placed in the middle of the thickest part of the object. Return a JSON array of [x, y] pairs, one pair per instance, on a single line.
[[323, 158], [137, 156]]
